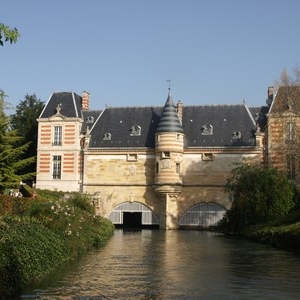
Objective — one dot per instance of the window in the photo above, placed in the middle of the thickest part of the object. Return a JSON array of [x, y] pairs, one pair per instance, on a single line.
[[132, 157], [236, 135], [135, 130], [166, 154], [57, 138], [291, 166], [207, 129], [207, 156], [290, 132], [90, 119], [177, 168], [106, 136], [56, 167]]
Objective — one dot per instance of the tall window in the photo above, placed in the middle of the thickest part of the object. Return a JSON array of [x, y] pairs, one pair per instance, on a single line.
[[291, 166], [56, 167], [57, 138], [290, 132]]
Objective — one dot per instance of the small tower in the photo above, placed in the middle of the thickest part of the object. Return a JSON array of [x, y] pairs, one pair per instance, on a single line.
[[169, 139]]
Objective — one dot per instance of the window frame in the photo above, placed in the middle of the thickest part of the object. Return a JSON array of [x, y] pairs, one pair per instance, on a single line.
[[56, 166], [57, 135]]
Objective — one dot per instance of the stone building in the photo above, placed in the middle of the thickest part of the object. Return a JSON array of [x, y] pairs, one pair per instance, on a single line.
[[158, 166]]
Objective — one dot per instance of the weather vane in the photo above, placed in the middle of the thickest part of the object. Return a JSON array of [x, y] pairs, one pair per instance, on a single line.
[[169, 81]]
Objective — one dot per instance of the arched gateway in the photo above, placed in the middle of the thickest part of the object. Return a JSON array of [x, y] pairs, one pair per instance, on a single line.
[[202, 215], [133, 214]]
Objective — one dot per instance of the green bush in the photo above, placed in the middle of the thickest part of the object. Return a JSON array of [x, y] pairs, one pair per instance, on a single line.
[[37, 234], [260, 195], [28, 251], [82, 202]]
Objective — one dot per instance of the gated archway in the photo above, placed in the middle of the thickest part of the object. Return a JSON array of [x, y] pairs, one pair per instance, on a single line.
[[202, 215], [133, 214]]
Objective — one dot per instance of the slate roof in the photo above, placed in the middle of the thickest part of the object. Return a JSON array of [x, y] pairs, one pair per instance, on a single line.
[[259, 114], [169, 121], [118, 121], [70, 105], [231, 125], [286, 98], [226, 122]]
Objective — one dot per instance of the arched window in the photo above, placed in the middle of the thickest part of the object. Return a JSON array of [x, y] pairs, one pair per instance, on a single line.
[[135, 130], [207, 129]]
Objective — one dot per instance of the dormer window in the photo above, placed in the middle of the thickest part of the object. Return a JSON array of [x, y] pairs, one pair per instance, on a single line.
[[236, 135], [106, 136], [90, 120], [207, 129], [135, 130]]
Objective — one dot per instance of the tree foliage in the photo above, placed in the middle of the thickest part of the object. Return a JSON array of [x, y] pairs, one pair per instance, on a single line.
[[8, 34], [24, 122], [12, 166], [260, 195]]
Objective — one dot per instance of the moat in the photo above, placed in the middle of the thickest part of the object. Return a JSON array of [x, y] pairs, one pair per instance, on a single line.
[[158, 264]]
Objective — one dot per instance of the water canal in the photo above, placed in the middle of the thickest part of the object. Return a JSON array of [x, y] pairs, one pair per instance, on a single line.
[[157, 264]]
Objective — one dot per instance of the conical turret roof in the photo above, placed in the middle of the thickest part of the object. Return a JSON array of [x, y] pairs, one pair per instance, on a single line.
[[169, 120]]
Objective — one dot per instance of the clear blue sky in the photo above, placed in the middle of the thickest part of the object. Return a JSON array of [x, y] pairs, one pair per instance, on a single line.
[[124, 51]]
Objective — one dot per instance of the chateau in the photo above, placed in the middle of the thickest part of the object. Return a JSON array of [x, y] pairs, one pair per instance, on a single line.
[[160, 166]]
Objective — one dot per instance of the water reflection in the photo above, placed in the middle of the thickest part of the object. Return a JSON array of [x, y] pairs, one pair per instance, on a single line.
[[157, 264]]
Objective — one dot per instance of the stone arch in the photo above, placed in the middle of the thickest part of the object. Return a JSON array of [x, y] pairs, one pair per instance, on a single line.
[[148, 217], [204, 215]]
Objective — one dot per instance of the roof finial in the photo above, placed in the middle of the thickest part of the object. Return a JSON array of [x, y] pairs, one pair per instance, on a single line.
[[169, 88]]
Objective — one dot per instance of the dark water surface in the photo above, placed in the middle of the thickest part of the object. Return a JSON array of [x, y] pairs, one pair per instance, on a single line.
[[157, 264]]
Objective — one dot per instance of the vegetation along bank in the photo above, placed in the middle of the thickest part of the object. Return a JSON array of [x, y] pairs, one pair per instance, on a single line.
[[37, 235], [265, 207]]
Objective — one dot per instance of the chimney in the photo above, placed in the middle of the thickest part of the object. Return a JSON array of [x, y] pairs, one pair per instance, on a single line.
[[270, 92], [179, 110], [85, 102]]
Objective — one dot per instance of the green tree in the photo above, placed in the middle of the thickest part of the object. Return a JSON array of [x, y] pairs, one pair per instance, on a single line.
[[11, 151], [8, 34], [24, 122], [260, 195]]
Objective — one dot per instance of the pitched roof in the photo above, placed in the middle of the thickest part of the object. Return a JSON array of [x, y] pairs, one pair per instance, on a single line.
[[231, 125], [259, 115], [70, 105], [135, 127], [119, 122], [286, 98]]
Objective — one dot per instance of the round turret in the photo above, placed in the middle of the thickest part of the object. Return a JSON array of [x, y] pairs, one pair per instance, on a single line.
[[169, 139]]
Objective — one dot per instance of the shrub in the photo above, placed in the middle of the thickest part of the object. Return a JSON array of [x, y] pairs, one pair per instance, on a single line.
[[260, 195], [82, 202], [28, 250]]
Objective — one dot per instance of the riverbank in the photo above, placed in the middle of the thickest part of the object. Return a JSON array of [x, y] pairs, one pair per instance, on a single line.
[[285, 236], [37, 235]]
